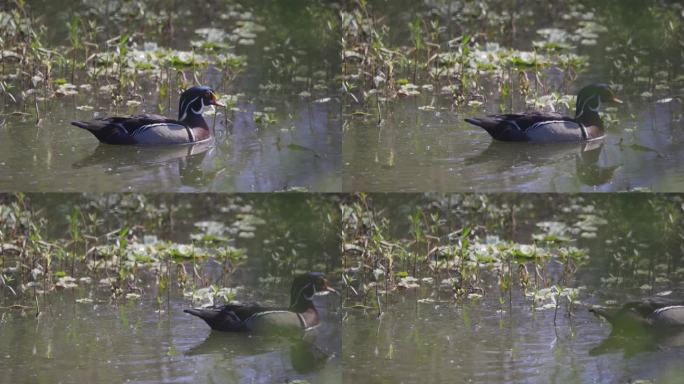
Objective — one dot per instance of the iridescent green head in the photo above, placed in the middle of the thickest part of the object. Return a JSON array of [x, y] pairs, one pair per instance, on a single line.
[[306, 285], [193, 100], [589, 99]]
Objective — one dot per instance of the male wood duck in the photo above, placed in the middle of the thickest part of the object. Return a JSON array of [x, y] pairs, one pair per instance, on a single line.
[[553, 127], [299, 317], [653, 313], [149, 129]]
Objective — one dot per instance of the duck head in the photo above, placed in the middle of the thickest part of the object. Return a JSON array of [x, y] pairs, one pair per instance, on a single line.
[[589, 100], [193, 101], [304, 287]]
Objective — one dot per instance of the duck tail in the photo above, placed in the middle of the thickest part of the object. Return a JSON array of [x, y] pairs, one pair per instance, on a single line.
[[106, 132], [488, 125], [80, 124], [202, 314], [493, 125], [92, 126], [216, 319], [474, 121]]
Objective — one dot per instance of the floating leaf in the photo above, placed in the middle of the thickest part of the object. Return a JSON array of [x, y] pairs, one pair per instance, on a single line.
[[297, 147]]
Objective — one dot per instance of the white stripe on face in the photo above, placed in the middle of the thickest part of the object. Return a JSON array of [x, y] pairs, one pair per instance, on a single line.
[[584, 105], [598, 106], [185, 109], [301, 294], [201, 108]]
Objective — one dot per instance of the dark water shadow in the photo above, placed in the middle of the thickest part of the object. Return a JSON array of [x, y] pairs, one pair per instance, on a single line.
[[631, 343], [586, 155], [305, 356], [186, 159]]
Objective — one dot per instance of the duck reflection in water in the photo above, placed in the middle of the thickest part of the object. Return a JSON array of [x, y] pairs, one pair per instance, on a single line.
[[502, 156], [253, 328], [304, 353], [180, 164]]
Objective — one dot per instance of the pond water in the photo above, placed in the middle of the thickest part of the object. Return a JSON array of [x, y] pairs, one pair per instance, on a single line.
[[420, 142], [423, 151], [129, 342], [138, 332], [283, 130], [430, 343], [425, 336]]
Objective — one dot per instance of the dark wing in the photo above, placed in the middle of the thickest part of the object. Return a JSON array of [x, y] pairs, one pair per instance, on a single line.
[[228, 317], [120, 130], [218, 319], [512, 127], [244, 311], [526, 120], [133, 123]]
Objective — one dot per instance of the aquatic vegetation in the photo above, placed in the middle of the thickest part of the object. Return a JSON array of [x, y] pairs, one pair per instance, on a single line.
[[446, 51], [465, 46], [122, 245], [212, 295], [122, 59], [107, 54], [457, 248], [101, 273], [95, 62]]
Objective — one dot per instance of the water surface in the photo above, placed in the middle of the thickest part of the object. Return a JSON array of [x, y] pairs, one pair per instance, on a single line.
[[129, 342], [404, 126], [282, 132], [431, 335], [105, 329]]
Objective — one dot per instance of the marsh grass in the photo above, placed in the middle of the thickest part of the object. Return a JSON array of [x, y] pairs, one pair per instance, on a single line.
[[118, 53], [472, 52], [127, 246], [458, 248]]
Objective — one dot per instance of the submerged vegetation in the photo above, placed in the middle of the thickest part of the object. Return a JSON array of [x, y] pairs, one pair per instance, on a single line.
[[459, 248], [125, 246]]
